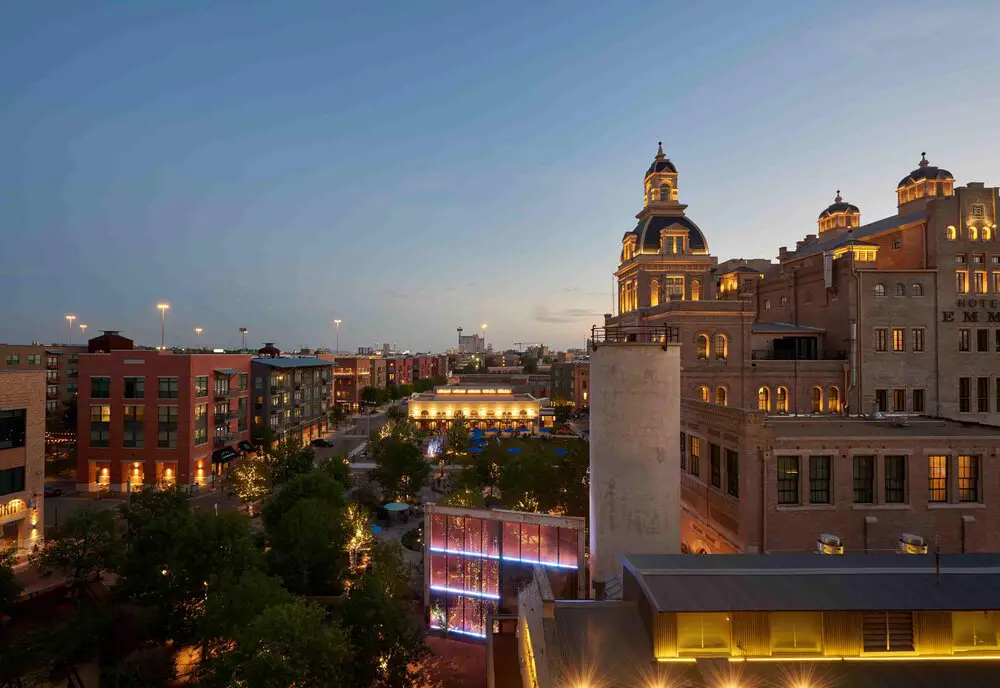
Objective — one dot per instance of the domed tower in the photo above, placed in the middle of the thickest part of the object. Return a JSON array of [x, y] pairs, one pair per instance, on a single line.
[[924, 183], [839, 215], [661, 180]]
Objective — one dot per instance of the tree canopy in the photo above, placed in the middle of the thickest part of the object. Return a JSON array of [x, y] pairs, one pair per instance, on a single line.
[[400, 469], [82, 547]]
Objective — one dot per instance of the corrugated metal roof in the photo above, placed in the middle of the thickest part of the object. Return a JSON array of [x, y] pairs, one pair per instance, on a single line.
[[292, 362]]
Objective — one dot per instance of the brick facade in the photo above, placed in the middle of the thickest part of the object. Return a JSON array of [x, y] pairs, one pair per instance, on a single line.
[[22, 460]]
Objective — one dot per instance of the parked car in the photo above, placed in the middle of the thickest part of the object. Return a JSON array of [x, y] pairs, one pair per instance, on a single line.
[[322, 443], [53, 491]]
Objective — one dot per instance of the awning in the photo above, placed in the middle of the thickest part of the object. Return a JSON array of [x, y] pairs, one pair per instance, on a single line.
[[223, 455], [246, 446], [227, 371]]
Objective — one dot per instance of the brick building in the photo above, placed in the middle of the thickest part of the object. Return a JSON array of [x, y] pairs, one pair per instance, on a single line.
[[291, 396], [881, 339], [351, 374], [399, 370], [59, 362], [148, 418], [22, 458], [571, 382], [377, 366]]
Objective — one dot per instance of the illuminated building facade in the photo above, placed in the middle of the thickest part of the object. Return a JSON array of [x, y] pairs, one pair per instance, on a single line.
[[476, 406], [351, 374], [22, 459], [571, 382], [857, 358], [801, 621], [291, 396], [474, 557], [149, 418]]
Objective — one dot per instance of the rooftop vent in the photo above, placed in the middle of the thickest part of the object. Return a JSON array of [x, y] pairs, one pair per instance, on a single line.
[[829, 544], [912, 544]]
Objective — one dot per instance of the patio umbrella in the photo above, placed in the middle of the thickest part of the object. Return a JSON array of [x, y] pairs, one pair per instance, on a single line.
[[493, 431], [523, 428], [376, 529], [396, 506], [545, 430], [514, 450], [561, 451], [476, 450], [476, 433]]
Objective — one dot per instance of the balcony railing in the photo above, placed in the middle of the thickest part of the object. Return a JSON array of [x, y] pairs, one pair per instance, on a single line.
[[223, 440], [72, 374], [276, 389], [634, 334], [52, 394], [769, 355], [222, 393], [54, 365]]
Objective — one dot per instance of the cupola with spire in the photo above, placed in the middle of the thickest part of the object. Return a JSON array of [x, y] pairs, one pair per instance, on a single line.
[[839, 215], [925, 182], [661, 180]]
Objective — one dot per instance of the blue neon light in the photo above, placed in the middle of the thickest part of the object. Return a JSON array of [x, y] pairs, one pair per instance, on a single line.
[[481, 555], [470, 593], [458, 630]]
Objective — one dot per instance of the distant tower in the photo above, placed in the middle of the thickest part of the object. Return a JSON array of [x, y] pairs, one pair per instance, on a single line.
[[635, 501], [460, 339]]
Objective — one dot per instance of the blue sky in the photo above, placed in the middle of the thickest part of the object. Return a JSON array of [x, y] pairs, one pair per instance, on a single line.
[[412, 167]]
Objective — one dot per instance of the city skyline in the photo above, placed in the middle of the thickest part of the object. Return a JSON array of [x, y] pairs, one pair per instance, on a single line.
[[243, 179]]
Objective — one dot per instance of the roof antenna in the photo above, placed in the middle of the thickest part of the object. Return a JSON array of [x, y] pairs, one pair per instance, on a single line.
[[937, 560], [838, 199], [659, 149], [923, 159]]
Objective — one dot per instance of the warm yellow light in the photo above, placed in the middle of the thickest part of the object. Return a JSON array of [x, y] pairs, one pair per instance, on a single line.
[[169, 472], [136, 464], [163, 306], [104, 471], [198, 330], [71, 318], [83, 327], [135, 471]]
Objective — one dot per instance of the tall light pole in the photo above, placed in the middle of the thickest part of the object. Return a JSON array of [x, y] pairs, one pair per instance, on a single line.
[[197, 334], [164, 307], [83, 331], [71, 318], [243, 331], [337, 323], [483, 326]]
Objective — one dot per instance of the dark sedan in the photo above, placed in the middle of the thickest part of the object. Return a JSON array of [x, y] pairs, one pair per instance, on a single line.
[[322, 443]]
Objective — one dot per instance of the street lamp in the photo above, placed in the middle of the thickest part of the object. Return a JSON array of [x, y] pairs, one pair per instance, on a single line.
[[83, 330], [197, 334], [71, 318], [337, 323], [483, 326], [164, 307], [243, 331]]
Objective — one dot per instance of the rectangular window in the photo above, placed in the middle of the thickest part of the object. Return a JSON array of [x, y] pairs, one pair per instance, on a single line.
[[684, 451], [788, 480], [962, 281], [100, 388], [258, 383], [51, 406], [895, 479], [34, 359], [881, 338], [965, 394], [898, 339], [12, 480], [918, 401], [135, 433], [13, 428], [695, 456], [701, 633], [796, 632], [100, 426], [978, 259], [167, 427], [201, 422], [937, 478], [715, 460], [864, 479], [996, 281], [887, 631], [974, 631], [201, 385], [968, 478], [100, 414], [819, 479], [983, 395], [13, 359], [135, 387], [51, 374], [964, 339], [979, 281], [167, 388], [982, 340], [918, 339], [899, 400], [882, 400], [243, 382], [732, 473]]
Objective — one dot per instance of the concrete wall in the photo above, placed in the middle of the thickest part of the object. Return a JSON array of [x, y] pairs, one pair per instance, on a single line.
[[634, 454]]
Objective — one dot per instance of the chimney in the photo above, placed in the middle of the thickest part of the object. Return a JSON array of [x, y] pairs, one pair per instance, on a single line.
[[810, 238], [782, 252], [799, 245]]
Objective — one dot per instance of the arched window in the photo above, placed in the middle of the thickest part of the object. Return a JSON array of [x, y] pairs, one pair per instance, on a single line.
[[973, 233], [424, 414], [695, 290], [703, 393], [783, 302], [665, 192], [654, 293], [721, 396], [703, 346], [833, 400], [879, 289], [817, 400], [721, 347], [951, 233], [764, 399], [917, 289], [781, 399], [899, 289], [987, 233]]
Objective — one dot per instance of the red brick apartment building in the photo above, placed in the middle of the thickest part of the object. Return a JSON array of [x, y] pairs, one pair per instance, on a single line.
[[59, 361], [148, 418], [351, 374], [851, 388]]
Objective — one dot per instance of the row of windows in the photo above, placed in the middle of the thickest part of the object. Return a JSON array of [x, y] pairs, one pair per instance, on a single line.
[[898, 397], [980, 284], [972, 233], [32, 359], [982, 397], [881, 337], [916, 289], [167, 387], [721, 396], [691, 452], [895, 476], [833, 402], [782, 303], [721, 350], [982, 340]]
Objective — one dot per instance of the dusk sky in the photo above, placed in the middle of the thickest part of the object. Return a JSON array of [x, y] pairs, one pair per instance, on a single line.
[[409, 167]]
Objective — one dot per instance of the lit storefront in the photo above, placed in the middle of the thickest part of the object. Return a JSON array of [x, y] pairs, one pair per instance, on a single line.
[[473, 557], [478, 407]]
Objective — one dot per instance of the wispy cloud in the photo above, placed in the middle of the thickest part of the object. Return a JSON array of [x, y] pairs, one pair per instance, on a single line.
[[545, 314]]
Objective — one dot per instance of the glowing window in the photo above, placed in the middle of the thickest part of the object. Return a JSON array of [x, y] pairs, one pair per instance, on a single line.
[[951, 233], [796, 632], [972, 631], [817, 400], [665, 192], [781, 399], [833, 400], [973, 233], [721, 396], [695, 290], [721, 347], [703, 346], [703, 393], [879, 289], [703, 633], [763, 399]]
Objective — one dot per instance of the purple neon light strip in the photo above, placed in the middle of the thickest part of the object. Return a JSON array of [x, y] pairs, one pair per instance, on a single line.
[[480, 555], [471, 593]]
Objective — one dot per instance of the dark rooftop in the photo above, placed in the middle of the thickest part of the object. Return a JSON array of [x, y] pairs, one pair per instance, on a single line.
[[887, 427], [835, 238], [292, 362], [784, 327]]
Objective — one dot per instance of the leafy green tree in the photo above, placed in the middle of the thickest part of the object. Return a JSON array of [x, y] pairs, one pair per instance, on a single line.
[[395, 413], [373, 396], [337, 468], [10, 587], [337, 414], [292, 458], [405, 431], [458, 439], [233, 603], [530, 482], [405, 390], [465, 496], [562, 412], [386, 635], [84, 545], [307, 547], [530, 364], [287, 644], [316, 485], [401, 470]]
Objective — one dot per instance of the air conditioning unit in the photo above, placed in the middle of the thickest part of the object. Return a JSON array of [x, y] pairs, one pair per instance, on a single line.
[[829, 544], [912, 544]]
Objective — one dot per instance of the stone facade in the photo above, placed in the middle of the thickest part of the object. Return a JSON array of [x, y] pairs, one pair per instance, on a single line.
[[22, 458]]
